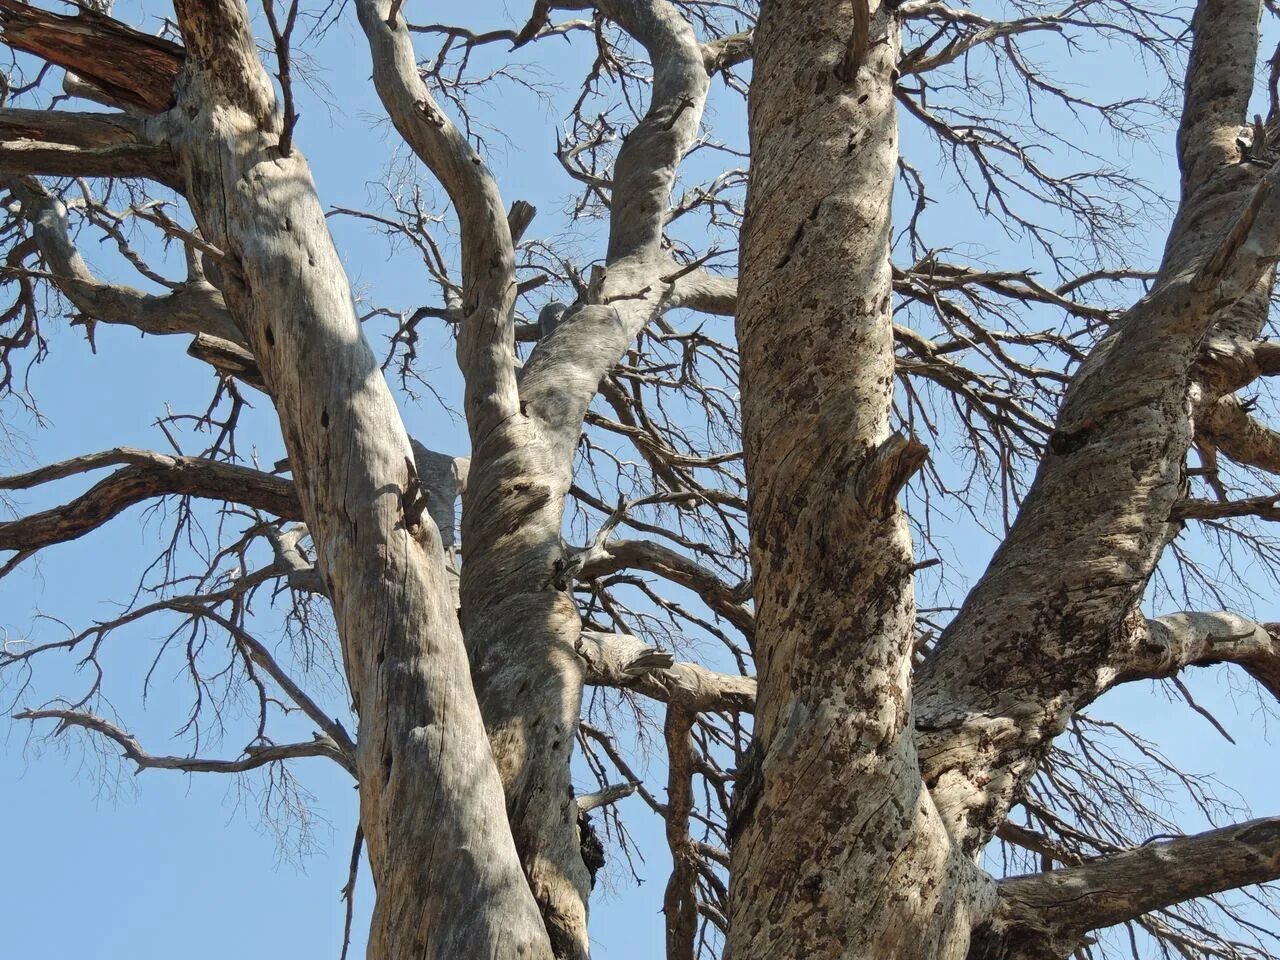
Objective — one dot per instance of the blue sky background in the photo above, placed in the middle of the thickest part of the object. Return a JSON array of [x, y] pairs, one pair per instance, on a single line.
[[97, 862]]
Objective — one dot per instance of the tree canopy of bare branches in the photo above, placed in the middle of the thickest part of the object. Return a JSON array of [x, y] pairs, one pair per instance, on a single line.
[[831, 285]]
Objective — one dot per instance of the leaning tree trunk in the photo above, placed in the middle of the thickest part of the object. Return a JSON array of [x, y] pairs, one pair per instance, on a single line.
[[1041, 634], [839, 852], [449, 882]]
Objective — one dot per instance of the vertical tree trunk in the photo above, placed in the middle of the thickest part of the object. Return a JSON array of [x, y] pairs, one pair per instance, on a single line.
[[520, 629], [841, 853]]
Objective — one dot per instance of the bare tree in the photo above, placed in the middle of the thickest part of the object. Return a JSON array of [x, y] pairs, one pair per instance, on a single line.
[[854, 766]]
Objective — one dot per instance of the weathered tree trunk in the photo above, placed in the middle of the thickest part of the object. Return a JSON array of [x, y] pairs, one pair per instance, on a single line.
[[1040, 635], [520, 627], [449, 883], [519, 619], [841, 853]]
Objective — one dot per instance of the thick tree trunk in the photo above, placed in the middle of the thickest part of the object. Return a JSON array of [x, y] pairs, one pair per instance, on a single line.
[[863, 805], [1040, 634], [841, 852], [448, 879], [520, 621], [522, 625]]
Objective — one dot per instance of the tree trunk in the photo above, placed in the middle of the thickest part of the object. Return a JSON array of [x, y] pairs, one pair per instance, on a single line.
[[841, 853], [448, 880]]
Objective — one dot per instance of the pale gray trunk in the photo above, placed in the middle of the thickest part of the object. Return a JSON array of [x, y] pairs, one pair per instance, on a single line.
[[518, 615], [448, 879], [520, 629]]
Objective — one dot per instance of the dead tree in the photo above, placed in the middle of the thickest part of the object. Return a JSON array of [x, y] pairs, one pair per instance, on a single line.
[[835, 771]]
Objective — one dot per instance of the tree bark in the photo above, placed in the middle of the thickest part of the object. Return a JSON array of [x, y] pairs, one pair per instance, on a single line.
[[520, 628], [841, 854], [1046, 916], [1036, 638], [448, 878], [867, 794]]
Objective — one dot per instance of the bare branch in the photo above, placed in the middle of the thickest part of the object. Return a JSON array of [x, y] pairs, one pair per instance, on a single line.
[[645, 169], [1164, 646], [1058, 907], [256, 755], [618, 660], [59, 143], [680, 901], [149, 475], [261, 656], [228, 358], [132, 68], [195, 306], [486, 348], [1229, 427], [602, 798], [614, 555]]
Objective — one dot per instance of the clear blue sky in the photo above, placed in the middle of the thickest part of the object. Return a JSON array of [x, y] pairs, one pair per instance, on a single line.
[[97, 862]]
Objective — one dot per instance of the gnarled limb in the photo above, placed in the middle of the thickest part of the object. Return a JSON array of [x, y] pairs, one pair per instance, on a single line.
[[193, 307], [522, 458], [619, 660], [486, 348], [1045, 916], [148, 475], [557, 384], [1030, 640], [529, 693], [228, 358], [706, 292], [1164, 646], [639, 279], [1233, 432]]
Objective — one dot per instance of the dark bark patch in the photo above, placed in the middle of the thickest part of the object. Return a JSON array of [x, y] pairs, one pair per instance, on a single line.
[[133, 68], [1064, 442], [592, 849], [746, 790]]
